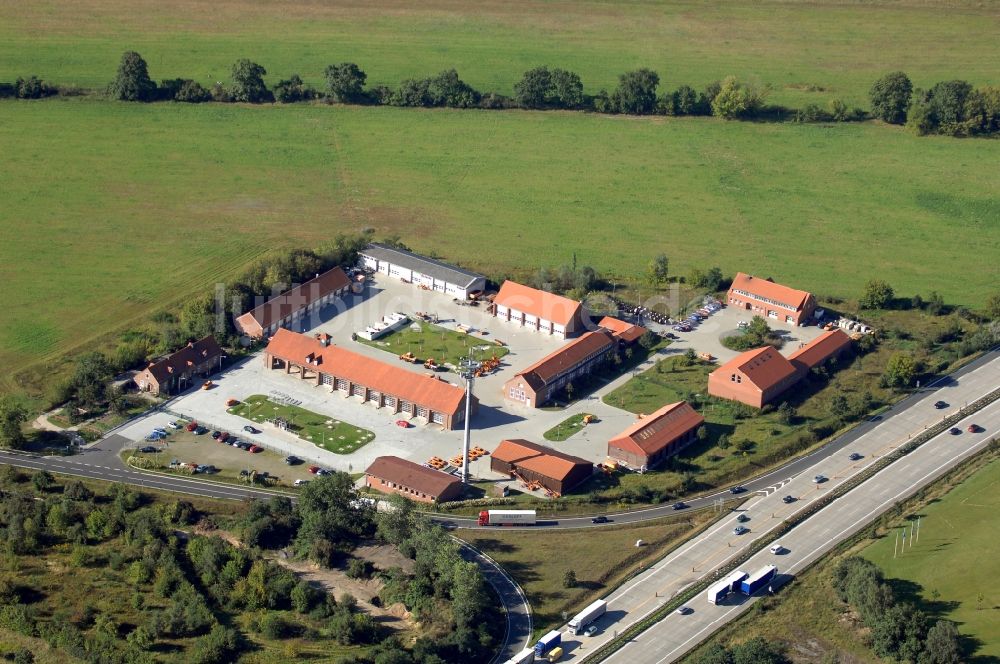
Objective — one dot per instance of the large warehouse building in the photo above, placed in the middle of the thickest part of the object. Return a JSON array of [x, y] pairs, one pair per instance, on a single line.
[[350, 374], [538, 310], [176, 371], [552, 469], [538, 383], [427, 272], [390, 474], [287, 308], [770, 300], [655, 437]]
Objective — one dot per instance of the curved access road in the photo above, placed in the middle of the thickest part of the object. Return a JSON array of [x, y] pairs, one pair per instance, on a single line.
[[908, 417]]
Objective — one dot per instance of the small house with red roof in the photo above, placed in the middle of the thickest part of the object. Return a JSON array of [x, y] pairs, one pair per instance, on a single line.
[[657, 436]]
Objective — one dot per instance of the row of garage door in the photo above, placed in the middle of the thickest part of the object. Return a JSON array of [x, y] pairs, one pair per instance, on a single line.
[[389, 401]]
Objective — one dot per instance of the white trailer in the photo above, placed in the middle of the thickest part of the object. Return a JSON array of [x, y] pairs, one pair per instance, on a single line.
[[587, 616], [718, 591], [526, 656]]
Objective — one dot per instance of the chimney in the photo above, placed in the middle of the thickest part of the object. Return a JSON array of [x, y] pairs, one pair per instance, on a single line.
[[190, 344]]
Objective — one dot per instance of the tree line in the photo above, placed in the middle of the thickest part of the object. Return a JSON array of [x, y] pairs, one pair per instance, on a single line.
[[951, 108]]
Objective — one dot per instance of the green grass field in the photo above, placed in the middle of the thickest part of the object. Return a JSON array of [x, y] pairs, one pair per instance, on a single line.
[[566, 428], [808, 51], [951, 558], [443, 345], [330, 434]]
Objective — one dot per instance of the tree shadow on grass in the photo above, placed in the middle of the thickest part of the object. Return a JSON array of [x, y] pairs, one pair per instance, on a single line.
[[491, 545]]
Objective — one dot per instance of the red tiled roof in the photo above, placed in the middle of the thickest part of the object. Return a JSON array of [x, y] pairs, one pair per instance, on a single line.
[[652, 433], [411, 475], [770, 290], [627, 332], [538, 458], [280, 307], [420, 389], [567, 357], [819, 349], [765, 367], [539, 303], [194, 353]]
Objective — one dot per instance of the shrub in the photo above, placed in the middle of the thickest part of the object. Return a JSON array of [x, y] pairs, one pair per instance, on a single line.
[[890, 97], [32, 88], [360, 569]]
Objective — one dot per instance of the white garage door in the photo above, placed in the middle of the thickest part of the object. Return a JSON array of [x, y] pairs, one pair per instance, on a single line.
[[341, 384], [390, 401], [421, 412], [437, 418], [358, 390], [327, 379]]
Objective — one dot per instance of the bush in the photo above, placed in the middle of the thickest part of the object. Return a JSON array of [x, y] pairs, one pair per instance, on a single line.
[[220, 645], [32, 88], [890, 97], [276, 626], [360, 569]]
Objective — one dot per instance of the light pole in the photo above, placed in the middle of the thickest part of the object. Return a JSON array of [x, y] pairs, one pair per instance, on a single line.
[[469, 367]]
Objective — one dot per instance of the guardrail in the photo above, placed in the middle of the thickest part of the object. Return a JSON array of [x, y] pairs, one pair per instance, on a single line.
[[609, 648]]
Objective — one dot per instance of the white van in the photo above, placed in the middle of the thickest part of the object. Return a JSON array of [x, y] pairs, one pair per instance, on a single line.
[[776, 549]]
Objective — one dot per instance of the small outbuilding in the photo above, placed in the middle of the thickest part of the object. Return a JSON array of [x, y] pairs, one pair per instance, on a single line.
[[556, 471], [655, 437], [538, 310], [391, 474]]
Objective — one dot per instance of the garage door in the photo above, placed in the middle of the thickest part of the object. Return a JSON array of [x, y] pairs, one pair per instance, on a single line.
[[374, 396], [405, 406], [437, 418], [358, 390], [390, 401], [327, 379], [421, 412], [341, 384]]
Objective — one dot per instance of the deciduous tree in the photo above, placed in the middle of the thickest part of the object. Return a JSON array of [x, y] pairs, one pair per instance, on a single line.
[[345, 81], [890, 97], [248, 82], [132, 82]]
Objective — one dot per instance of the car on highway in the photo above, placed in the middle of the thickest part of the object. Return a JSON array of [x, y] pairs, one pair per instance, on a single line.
[[737, 489], [855, 456], [739, 530], [680, 506], [974, 428], [954, 431], [591, 630], [776, 549], [819, 479], [148, 449], [940, 404], [173, 425], [684, 610], [742, 518], [599, 519], [292, 460], [250, 429], [788, 499]]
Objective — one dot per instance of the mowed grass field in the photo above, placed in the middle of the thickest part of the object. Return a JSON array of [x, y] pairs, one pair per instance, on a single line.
[[112, 210], [953, 556], [807, 51]]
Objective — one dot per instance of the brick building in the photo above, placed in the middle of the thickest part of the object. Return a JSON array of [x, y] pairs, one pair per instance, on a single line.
[[834, 343], [556, 471], [538, 383], [175, 372], [755, 377], [390, 474], [627, 333], [657, 436], [398, 390], [538, 310], [289, 307], [765, 298]]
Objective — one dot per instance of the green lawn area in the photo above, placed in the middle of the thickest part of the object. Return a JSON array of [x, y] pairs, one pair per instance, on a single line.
[[566, 428], [330, 434], [539, 562], [432, 341], [189, 195], [952, 561], [807, 52]]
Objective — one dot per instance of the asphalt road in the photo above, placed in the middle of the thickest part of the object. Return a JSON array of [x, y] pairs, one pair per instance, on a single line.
[[957, 389]]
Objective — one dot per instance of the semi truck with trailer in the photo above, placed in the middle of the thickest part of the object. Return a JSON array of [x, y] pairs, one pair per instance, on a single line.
[[547, 643], [526, 656], [587, 616], [759, 579], [721, 589], [507, 518]]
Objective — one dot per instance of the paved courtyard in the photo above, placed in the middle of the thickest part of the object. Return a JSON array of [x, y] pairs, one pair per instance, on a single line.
[[496, 419]]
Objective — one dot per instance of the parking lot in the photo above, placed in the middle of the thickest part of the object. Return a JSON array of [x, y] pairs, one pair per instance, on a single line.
[[496, 420]]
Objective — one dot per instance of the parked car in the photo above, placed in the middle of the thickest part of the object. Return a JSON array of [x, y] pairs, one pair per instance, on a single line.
[[255, 449], [819, 479], [200, 430], [174, 425], [216, 434], [250, 429], [322, 472], [244, 473], [599, 519], [314, 469], [742, 518], [940, 404], [974, 428], [155, 436], [403, 424], [301, 482], [737, 489], [954, 431], [224, 437], [192, 426], [243, 445], [148, 449], [739, 530], [207, 385], [160, 430], [855, 456], [788, 499], [292, 460]]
